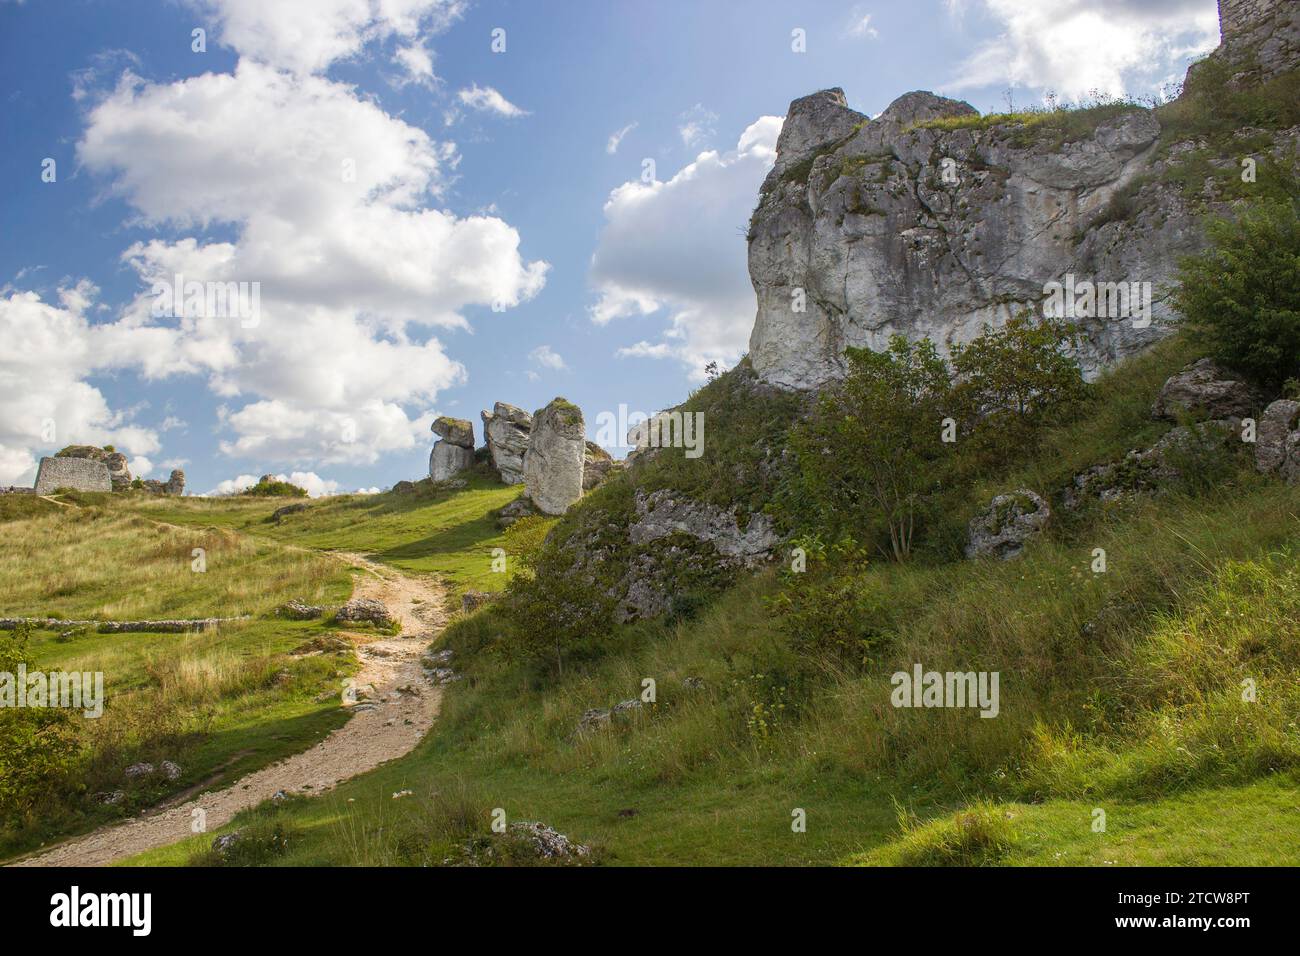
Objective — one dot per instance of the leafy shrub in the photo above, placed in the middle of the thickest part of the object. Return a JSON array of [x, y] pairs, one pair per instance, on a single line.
[[866, 454], [525, 537], [555, 607], [1241, 298], [39, 746], [274, 489], [1012, 382]]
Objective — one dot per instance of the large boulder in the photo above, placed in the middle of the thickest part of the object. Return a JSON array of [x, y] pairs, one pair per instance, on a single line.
[[454, 431], [553, 463], [80, 474], [118, 472], [1002, 529], [1205, 390], [664, 513], [175, 483], [505, 430], [447, 460], [1277, 441]]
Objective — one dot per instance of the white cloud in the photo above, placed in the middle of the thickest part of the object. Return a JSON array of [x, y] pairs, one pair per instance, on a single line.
[[306, 36], [697, 125], [679, 246], [860, 25], [616, 138], [546, 357], [488, 100], [417, 62], [45, 401], [1076, 47], [140, 466], [350, 273], [309, 481]]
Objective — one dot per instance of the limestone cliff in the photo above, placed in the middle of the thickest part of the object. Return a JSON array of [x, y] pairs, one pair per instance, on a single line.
[[930, 220]]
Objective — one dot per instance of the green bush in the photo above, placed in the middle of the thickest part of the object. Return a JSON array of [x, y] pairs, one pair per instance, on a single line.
[[867, 453], [274, 489], [1241, 298], [1012, 382]]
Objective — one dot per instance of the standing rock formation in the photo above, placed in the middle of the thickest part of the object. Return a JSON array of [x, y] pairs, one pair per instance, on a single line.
[[506, 430], [553, 463], [929, 221], [455, 452], [118, 472], [81, 474]]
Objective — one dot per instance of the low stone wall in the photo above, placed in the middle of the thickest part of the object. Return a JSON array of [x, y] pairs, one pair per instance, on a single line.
[[81, 474], [118, 627]]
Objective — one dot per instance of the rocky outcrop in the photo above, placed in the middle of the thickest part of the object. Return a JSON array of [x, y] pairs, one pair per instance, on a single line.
[[1277, 441], [506, 430], [1154, 470], [597, 465], [455, 452], [457, 431], [1010, 521], [1262, 35], [521, 507], [553, 463], [662, 514], [447, 460], [927, 221], [174, 485], [80, 474], [1205, 390], [365, 611]]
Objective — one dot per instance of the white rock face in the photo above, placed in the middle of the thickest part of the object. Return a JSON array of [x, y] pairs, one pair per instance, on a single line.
[[506, 430], [662, 514], [553, 463], [871, 233], [446, 460]]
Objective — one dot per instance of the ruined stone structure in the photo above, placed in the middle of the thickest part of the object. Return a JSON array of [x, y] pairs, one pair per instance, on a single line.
[[80, 474]]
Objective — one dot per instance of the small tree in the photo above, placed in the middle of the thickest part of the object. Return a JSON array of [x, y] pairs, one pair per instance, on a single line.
[[867, 449], [1241, 298], [1011, 382]]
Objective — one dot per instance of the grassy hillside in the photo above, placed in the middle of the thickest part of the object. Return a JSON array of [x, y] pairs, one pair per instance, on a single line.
[[444, 532], [218, 703], [1120, 691]]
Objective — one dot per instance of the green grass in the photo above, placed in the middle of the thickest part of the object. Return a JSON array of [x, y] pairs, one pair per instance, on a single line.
[[450, 533], [220, 703], [100, 561], [1252, 825]]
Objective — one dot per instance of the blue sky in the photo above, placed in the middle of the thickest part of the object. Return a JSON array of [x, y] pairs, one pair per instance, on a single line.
[[496, 240]]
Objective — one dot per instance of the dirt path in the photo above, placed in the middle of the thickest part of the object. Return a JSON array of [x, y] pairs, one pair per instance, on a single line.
[[388, 722]]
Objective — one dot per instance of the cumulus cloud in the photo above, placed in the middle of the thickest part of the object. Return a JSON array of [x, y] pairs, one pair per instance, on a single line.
[[679, 247], [45, 401], [547, 357], [487, 100], [1076, 47], [328, 200], [616, 138], [306, 36]]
